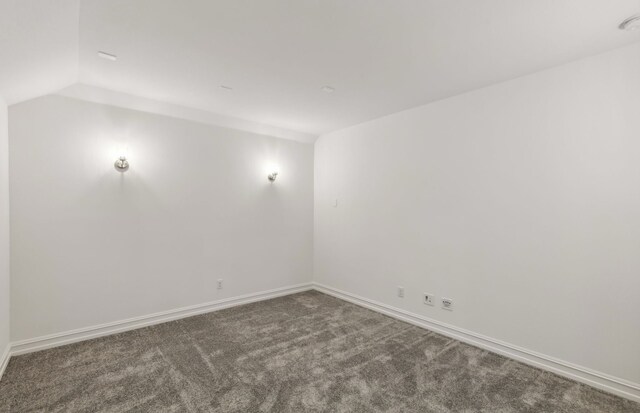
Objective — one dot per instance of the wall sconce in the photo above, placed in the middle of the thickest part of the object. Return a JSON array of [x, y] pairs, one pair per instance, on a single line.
[[272, 176], [122, 165]]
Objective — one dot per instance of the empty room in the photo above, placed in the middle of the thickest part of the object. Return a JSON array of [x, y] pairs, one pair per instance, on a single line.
[[298, 206]]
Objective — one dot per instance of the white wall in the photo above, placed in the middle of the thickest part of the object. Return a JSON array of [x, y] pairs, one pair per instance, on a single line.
[[520, 201], [4, 232], [91, 245]]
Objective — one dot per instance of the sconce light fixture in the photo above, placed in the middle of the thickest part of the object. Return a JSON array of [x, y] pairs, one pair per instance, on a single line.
[[122, 165], [272, 176]]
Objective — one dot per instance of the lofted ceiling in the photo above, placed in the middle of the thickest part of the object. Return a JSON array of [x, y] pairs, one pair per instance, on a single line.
[[380, 56], [38, 47]]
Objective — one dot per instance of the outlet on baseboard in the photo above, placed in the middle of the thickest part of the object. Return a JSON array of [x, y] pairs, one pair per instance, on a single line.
[[428, 299], [447, 303], [400, 292], [220, 284]]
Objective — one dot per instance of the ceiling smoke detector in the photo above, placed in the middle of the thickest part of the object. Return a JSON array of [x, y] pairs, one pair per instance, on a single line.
[[632, 23], [328, 89]]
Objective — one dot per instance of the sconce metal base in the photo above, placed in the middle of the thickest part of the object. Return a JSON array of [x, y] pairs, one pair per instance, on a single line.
[[122, 165], [272, 177]]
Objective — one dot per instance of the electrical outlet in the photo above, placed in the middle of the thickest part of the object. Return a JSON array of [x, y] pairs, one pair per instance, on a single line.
[[447, 303], [428, 299], [220, 284], [400, 292]]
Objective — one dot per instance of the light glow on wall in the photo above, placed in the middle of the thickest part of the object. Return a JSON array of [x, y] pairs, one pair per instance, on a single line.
[[272, 171]]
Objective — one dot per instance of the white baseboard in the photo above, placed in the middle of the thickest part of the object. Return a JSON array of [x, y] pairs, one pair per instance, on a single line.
[[620, 387], [68, 337], [4, 359], [581, 374]]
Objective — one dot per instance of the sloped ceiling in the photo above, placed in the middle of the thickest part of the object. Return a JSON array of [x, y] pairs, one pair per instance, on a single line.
[[38, 47], [380, 56]]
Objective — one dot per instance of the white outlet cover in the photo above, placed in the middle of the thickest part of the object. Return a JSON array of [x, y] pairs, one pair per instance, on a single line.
[[400, 292], [428, 299], [447, 303]]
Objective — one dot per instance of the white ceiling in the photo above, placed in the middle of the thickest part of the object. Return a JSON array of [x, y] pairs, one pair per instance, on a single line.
[[38, 47], [381, 56]]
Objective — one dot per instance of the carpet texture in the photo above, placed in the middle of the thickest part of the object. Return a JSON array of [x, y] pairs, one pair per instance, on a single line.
[[307, 352]]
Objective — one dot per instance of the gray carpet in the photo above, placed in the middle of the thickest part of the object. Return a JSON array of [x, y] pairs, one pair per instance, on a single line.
[[307, 352]]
